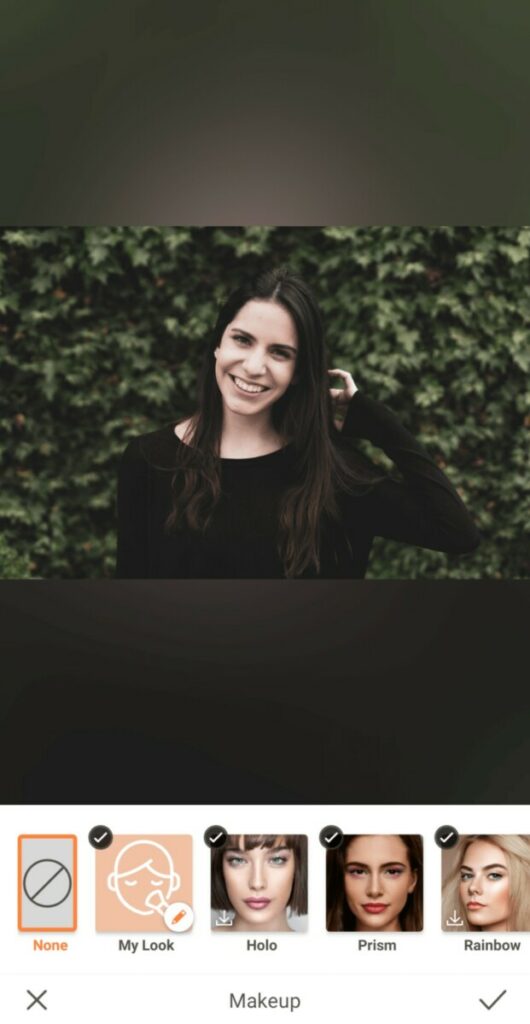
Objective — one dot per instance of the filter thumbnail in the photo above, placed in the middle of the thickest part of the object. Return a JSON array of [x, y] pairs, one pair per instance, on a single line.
[[144, 884], [486, 884], [375, 884], [47, 883], [259, 884]]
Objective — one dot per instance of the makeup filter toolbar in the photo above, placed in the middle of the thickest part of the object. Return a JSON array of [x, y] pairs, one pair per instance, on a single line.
[[286, 909]]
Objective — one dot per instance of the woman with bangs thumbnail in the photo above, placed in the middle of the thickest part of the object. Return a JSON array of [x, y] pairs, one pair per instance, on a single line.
[[261, 882], [261, 481], [488, 889], [375, 884]]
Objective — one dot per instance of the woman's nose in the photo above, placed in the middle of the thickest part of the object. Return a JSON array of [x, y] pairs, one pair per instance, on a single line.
[[475, 886], [254, 362], [257, 878], [374, 885]]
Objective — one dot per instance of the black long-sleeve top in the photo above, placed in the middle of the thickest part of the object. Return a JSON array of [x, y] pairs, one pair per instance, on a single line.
[[242, 538]]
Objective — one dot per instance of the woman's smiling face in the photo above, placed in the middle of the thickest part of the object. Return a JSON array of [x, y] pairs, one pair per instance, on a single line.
[[259, 884], [485, 886], [378, 881], [256, 358]]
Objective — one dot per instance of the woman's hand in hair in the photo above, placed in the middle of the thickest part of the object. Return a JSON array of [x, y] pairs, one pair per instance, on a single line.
[[341, 396]]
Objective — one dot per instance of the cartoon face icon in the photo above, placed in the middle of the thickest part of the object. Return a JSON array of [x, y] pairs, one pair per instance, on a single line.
[[143, 877]]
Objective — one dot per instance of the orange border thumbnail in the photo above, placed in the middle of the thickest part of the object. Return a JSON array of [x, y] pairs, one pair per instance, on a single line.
[[74, 883]]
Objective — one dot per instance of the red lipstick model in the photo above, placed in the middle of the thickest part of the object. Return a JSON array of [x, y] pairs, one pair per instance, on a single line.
[[257, 904], [375, 908]]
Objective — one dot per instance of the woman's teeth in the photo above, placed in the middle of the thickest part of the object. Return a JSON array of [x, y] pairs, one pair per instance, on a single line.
[[253, 389]]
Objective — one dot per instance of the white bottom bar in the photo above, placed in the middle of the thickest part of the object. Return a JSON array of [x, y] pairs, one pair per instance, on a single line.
[[410, 999]]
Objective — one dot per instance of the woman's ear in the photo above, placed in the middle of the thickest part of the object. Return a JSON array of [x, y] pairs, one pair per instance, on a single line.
[[215, 351], [412, 887]]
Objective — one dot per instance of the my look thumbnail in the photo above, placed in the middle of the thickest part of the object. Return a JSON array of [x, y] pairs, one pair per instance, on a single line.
[[144, 884], [486, 884], [259, 884], [375, 884]]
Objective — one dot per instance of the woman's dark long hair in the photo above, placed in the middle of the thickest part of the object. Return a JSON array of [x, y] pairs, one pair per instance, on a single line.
[[302, 417], [339, 917]]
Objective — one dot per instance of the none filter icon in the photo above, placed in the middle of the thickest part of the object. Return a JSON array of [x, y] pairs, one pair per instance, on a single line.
[[47, 883]]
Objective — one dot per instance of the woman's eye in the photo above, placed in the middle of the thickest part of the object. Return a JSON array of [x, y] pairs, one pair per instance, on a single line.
[[495, 875], [395, 872], [356, 872], [241, 339], [157, 883], [235, 861], [278, 860], [465, 876], [130, 883]]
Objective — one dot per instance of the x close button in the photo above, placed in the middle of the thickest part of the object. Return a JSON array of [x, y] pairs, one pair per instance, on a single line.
[[36, 1000]]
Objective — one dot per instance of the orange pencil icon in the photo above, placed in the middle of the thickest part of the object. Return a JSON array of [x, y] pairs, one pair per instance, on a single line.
[[179, 916]]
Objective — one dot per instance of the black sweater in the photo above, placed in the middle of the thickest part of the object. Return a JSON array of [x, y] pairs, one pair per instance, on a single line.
[[241, 541]]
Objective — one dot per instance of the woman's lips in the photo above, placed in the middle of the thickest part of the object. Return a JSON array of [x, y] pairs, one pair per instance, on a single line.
[[375, 908], [257, 904], [473, 905], [241, 385]]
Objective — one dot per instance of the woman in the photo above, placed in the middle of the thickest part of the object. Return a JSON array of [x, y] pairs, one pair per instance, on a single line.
[[260, 482], [375, 884], [259, 882], [488, 890]]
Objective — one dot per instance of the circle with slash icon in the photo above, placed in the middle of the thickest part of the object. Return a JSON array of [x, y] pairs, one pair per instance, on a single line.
[[47, 883]]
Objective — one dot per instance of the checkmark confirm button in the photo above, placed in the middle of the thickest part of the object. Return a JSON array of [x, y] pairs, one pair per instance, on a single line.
[[489, 1006]]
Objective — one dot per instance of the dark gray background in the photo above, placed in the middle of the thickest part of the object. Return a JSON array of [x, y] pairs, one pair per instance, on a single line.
[[225, 112], [266, 691], [284, 112]]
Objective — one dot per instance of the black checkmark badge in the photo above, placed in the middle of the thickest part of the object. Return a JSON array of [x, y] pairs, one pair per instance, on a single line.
[[100, 837]]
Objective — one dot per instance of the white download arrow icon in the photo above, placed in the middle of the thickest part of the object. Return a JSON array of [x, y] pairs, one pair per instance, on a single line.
[[224, 920]]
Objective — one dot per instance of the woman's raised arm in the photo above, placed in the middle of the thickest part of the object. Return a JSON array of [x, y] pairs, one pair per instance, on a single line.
[[424, 508], [133, 514]]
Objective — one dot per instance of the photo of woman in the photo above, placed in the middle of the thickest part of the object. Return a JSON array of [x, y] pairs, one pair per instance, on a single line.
[[259, 883], [375, 884], [487, 884], [262, 480]]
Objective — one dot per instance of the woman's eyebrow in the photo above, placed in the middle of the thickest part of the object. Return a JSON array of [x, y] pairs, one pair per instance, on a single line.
[[486, 867], [240, 330], [276, 344], [388, 864], [269, 849]]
